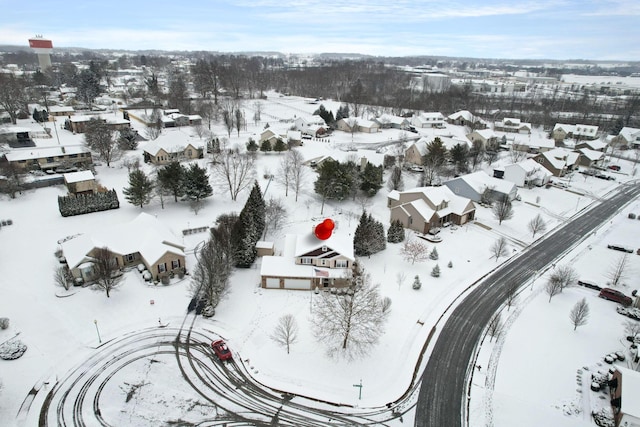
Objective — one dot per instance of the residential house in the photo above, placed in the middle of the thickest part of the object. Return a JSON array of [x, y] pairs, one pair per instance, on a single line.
[[145, 240], [527, 173], [423, 208], [83, 182], [268, 135], [578, 132], [531, 145], [50, 158], [512, 125], [78, 124], [17, 136], [485, 136], [624, 389], [361, 125], [313, 125], [389, 121], [628, 137], [416, 151], [473, 186], [590, 158], [428, 120], [466, 118], [558, 161], [294, 138], [308, 263], [172, 146], [595, 145], [61, 110]]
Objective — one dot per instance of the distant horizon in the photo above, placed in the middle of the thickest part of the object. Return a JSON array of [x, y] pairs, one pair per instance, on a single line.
[[554, 30]]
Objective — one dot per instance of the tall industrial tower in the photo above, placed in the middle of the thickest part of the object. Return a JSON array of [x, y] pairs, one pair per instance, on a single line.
[[43, 48]]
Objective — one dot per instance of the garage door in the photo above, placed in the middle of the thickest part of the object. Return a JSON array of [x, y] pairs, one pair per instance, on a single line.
[[273, 282], [297, 283]]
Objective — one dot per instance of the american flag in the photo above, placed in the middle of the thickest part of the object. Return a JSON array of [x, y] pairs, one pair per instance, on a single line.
[[321, 273]]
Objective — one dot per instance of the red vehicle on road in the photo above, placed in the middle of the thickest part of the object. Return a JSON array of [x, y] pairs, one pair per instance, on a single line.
[[221, 350]]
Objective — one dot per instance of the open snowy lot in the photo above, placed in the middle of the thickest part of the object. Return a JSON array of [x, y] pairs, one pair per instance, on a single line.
[[528, 375]]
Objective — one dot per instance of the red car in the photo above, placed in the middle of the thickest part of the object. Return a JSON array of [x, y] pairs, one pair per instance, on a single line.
[[221, 350]]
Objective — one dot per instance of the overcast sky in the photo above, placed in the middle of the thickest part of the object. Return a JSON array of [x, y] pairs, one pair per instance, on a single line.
[[555, 29]]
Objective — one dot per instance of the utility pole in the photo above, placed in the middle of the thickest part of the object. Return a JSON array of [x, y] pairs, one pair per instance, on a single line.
[[96, 323]]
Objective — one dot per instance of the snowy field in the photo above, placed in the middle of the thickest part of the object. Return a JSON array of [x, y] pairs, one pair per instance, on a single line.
[[528, 375]]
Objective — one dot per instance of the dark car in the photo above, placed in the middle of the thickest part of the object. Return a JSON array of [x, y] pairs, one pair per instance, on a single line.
[[614, 167], [615, 295], [221, 350]]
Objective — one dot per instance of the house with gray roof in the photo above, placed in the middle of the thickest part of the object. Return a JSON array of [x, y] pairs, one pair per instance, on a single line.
[[473, 186]]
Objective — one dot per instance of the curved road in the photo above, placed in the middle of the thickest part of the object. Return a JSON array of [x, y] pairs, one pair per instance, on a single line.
[[443, 390]]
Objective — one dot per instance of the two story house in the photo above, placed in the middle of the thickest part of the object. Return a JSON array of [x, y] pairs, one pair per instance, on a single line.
[[307, 263]]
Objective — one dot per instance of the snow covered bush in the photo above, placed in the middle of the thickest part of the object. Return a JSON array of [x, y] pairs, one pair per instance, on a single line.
[[12, 349], [434, 254], [416, 282], [87, 203], [450, 265], [395, 234], [436, 271], [4, 322]]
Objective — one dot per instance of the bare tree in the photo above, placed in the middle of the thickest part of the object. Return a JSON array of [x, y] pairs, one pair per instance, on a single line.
[[285, 169], [62, 277], [105, 269], [499, 248], [537, 225], [579, 314], [617, 272], [154, 125], [235, 169], [298, 171], [502, 209], [286, 331], [414, 250], [350, 324], [14, 180], [213, 268], [565, 276], [400, 278], [395, 182], [275, 215], [100, 138], [257, 111], [495, 326], [12, 95], [553, 287]]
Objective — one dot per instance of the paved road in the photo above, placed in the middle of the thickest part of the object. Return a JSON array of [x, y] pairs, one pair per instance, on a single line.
[[443, 392]]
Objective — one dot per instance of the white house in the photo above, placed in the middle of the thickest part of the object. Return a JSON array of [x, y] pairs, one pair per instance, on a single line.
[[527, 172], [473, 185], [428, 120]]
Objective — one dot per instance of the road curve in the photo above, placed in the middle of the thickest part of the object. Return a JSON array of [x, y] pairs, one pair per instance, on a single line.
[[443, 390]]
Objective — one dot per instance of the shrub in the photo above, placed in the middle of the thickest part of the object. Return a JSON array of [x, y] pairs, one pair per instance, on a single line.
[[4, 322]]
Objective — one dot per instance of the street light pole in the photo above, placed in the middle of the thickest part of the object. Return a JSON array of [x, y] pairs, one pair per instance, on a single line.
[[360, 390], [96, 323]]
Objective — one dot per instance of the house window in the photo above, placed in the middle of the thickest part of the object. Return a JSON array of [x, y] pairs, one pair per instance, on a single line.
[[342, 263], [410, 220], [175, 264], [324, 249], [305, 260], [49, 159], [189, 152], [129, 257], [323, 262], [162, 268]]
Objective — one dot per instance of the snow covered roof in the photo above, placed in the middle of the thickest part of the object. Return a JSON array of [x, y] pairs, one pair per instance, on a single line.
[[450, 142], [466, 115], [630, 134], [532, 168], [421, 146], [145, 234], [595, 144], [338, 241], [591, 154], [43, 152], [171, 142], [486, 133], [389, 118], [570, 157], [61, 109], [72, 177], [437, 196], [480, 181]]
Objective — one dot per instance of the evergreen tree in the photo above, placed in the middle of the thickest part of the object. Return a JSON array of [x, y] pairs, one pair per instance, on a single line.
[[450, 265], [128, 139], [140, 189], [436, 271], [252, 146], [257, 207], [279, 146], [171, 179], [265, 146], [395, 234], [460, 157], [371, 179], [434, 254], [369, 236], [196, 183], [416, 282], [342, 113], [249, 228], [326, 115]]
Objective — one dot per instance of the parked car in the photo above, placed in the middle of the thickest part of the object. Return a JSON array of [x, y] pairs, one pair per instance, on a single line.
[[615, 295], [614, 167], [620, 248], [221, 350]]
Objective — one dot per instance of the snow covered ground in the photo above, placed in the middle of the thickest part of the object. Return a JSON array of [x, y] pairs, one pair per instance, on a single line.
[[528, 375]]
